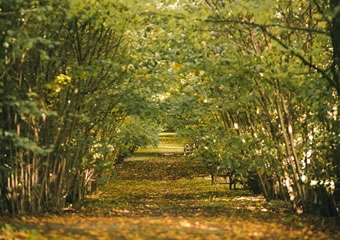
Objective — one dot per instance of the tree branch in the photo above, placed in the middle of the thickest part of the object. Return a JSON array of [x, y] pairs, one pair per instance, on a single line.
[[211, 20], [2, 14], [322, 12], [267, 25], [298, 55]]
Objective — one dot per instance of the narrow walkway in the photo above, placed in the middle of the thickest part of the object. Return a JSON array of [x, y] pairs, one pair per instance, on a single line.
[[158, 195]]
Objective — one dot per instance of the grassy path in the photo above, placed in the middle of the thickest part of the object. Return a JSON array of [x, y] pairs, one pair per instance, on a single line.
[[157, 195]]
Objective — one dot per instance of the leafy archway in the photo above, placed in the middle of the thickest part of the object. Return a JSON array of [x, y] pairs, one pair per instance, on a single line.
[[84, 83]]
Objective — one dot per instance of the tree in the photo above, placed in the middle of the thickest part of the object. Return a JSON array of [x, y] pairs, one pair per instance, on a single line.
[[255, 82], [68, 83], [265, 81]]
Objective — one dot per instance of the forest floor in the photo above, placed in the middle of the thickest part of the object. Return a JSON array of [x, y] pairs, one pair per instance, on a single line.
[[157, 194]]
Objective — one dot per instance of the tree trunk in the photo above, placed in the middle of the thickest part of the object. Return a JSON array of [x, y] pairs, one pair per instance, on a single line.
[[335, 35]]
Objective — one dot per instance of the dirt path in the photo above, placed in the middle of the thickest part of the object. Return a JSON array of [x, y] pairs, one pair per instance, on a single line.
[[158, 195]]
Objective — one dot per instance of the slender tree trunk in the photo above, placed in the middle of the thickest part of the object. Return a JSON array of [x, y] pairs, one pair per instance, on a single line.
[[263, 185], [335, 35]]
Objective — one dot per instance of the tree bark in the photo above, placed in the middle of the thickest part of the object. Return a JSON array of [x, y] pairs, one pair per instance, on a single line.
[[335, 35]]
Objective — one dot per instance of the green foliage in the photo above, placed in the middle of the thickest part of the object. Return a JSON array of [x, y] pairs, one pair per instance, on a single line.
[[135, 134], [253, 88], [68, 83], [83, 82]]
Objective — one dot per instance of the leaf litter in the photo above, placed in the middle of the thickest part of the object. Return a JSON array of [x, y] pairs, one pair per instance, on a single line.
[[161, 196]]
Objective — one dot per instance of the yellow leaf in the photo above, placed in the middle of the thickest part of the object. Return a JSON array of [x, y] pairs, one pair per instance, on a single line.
[[176, 66], [63, 79]]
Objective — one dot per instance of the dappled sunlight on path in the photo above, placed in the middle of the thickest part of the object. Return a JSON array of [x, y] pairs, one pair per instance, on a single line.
[[159, 195]]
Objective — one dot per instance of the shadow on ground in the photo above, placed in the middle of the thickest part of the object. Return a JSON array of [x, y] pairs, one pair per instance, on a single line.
[[160, 195]]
